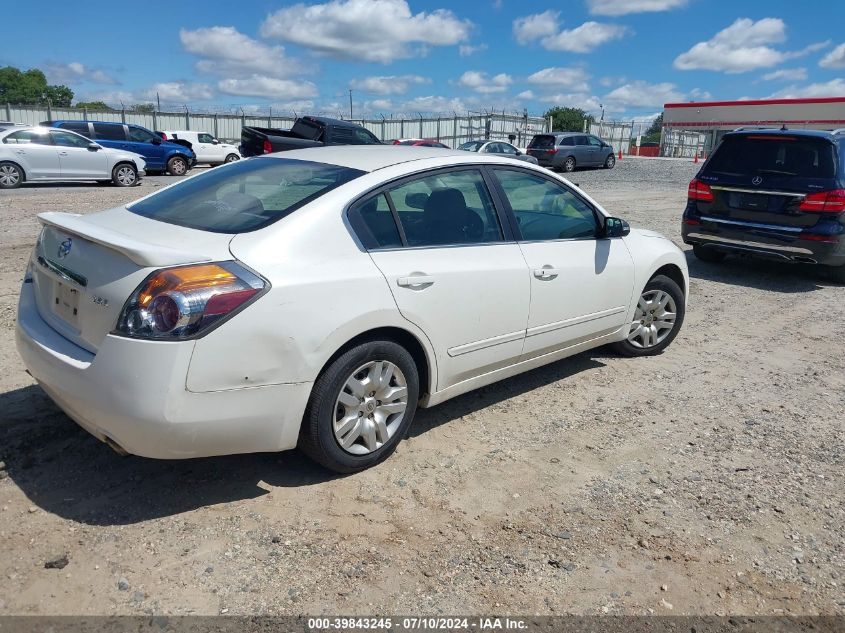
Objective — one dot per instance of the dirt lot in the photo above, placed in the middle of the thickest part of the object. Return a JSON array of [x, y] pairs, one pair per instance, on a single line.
[[708, 480]]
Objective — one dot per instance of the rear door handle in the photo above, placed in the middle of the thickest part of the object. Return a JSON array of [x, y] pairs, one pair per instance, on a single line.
[[416, 282], [62, 153], [546, 272]]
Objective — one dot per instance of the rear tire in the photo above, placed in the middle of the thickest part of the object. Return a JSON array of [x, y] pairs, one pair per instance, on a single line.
[[177, 166], [381, 373], [124, 175], [569, 164], [661, 303], [11, 176], [710, 255], [837, 274]]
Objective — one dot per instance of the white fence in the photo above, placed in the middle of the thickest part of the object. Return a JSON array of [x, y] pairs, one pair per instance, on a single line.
[[451, 130]]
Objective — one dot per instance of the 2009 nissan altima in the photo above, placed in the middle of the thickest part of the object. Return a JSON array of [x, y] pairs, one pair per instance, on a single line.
[[316, 298]]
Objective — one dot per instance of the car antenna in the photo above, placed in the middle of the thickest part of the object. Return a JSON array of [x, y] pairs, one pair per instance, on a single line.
[[783, 128]]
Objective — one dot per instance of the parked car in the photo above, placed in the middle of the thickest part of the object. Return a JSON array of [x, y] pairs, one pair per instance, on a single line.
[[771, 193], [564, 151], [208, 149], [316, 298], [307, 131], [39, 154], [159, 155], [420, 142], [497, 147]]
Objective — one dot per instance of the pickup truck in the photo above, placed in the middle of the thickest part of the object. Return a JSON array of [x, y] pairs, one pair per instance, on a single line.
[[307, 131]]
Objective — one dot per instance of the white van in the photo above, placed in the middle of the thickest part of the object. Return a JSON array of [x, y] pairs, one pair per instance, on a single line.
[[207, 148]]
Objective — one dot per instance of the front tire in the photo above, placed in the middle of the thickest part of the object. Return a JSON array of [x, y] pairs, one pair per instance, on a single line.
[[610, 162], [231, 158], [177, 166], [124, 175], [361, 407], [11, 176], [710, 255], [657, 319]]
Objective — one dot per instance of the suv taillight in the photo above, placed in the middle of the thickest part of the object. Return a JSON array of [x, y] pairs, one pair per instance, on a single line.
[[267, 147], [699, 191], [551, 151], [824, 201]]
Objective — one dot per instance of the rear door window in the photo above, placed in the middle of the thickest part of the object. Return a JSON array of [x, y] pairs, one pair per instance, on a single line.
[[27, 137], [109, 132], [374, 224], [773, 156]]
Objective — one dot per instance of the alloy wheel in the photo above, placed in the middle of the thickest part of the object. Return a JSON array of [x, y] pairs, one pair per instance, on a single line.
[[9, 176], [126, 176], [370, 407], [654, 319]]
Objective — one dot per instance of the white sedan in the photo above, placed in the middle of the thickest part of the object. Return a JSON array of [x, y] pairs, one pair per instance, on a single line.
[[39, 154], [207, 149], [499, 148], [315, 298]]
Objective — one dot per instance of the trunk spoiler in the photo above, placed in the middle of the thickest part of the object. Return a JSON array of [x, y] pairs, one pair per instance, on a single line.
[[142, 253]]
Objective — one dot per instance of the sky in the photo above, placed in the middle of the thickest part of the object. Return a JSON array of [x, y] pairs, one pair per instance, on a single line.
[[625, 58]]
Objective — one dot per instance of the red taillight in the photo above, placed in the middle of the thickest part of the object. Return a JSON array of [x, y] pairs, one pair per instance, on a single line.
[[824, 201], [691, 222], [699, 191], [164, 136], [551, 151], [267, 147], [815, 237]]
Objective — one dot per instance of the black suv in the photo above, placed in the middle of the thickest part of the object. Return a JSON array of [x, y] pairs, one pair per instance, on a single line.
[[771, 193]]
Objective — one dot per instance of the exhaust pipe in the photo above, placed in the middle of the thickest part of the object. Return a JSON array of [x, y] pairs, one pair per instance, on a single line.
[[804, 260]]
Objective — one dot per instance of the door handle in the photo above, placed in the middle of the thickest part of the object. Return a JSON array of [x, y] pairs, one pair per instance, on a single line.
[[546, 273], [62, 153], [416, 282]]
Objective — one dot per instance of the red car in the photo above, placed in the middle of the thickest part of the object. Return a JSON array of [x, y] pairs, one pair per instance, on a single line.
[[422, 142]]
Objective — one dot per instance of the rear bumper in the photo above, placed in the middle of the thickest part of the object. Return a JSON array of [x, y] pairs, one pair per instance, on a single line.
[[133, 393], [764, 243]]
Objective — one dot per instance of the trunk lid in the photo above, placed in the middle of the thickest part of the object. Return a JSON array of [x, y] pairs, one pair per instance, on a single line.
[[86, 267], [763, 178]]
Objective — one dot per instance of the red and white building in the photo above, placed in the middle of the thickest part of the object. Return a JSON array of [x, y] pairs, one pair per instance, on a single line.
[[691, 127]]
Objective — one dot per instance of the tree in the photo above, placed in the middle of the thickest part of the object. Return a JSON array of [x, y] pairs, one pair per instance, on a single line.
[[30, 88], [92, 105], [147, 108], [652, 134], [568, 119]]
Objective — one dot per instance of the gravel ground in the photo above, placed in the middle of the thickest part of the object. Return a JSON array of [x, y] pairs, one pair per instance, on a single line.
[[707, 480]]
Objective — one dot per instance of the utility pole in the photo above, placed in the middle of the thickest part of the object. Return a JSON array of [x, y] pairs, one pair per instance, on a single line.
[[158, 101], [350, 103]]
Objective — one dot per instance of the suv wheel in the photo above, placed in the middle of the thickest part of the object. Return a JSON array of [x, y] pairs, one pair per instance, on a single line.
[[706, 254], [361, 407], [177, 166], [610, 161], [231, 158], [569, 164], [657, 319]]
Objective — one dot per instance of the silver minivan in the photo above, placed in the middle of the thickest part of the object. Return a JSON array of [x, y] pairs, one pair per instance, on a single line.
[[564, 151]]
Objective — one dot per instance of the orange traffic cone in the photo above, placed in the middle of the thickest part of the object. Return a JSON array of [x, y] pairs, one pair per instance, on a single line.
[[620, 153], [696, 158]]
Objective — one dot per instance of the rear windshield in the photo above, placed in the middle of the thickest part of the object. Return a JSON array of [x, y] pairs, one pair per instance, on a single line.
[[245, 195], [471, 146], [544, 141], [773, 155]]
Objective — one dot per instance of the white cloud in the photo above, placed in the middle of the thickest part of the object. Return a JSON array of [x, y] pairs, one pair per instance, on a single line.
[[379, 104], [623, 7], [432, 104], [533, 27], [297, 105], [572, 78], [75, 72], [465, 50], [586, 102], [641, 94], [389, 84], [744, 45], [371, 30], [228, 52], [697, 94], [178, 91], [835, 58], [525, 95], [480, 82], [545, 27], [787, 74], [271, 87], [832, 88]]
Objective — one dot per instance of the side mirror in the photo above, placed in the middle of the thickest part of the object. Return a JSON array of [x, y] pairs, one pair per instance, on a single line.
[[215, 142], [93, 147], [616, 227]]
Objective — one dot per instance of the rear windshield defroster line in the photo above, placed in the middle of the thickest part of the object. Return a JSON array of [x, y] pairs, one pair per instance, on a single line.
[[244, 196]]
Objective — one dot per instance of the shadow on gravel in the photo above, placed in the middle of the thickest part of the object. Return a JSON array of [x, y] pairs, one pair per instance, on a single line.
[[64, 470], [757, 273]]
